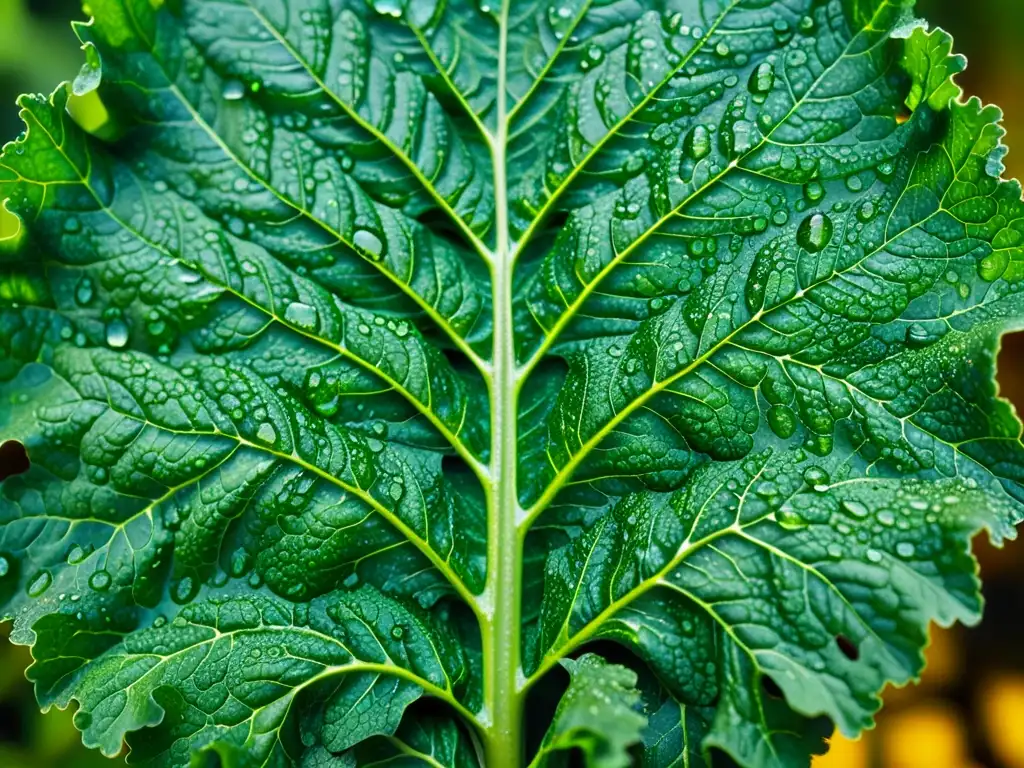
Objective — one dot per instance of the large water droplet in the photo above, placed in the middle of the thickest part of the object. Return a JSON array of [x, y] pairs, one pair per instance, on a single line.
[[392, 8], [815, 232], [301, 315], [365, 240], [266, 433], [698, 142], [762, 79], [5, 566], [100, 581], [905, 549], [39, 583], [184, 590], [855, 508], [233, 90], [117, 333]]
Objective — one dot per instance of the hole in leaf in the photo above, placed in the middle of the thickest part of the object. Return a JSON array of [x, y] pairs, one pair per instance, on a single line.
[[848, 647], [13, 459], [771, 688]]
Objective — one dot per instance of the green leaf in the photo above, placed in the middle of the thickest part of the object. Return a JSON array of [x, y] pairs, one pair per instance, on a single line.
[[375, 358], [596, 715]]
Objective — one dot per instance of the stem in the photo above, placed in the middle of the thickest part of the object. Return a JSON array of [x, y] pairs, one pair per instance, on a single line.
[[500, 627]]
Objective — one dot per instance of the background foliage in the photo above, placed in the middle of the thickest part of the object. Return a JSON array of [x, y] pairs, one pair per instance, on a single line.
[[968, 709]]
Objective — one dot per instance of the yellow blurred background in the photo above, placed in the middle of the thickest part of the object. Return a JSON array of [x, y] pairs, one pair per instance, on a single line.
[[967, 712]]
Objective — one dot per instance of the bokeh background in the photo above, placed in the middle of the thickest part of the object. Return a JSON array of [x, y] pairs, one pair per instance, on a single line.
[[968, 710]]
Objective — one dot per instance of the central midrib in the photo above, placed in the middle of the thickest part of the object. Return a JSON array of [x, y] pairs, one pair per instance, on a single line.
[[500, 603]]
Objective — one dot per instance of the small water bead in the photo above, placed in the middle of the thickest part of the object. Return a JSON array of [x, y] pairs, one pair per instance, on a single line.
[[813, 191], [397, 632], [905, 549], [84, 291], [815, 233], [233, 90], [874, 555], [5, 566]]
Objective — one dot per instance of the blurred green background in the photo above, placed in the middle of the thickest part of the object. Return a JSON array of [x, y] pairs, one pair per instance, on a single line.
[[968, 711]]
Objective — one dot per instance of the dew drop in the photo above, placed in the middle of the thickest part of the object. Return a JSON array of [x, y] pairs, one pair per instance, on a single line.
[[874, 555], [762, 79], [365, 240], [302, 315], [117, 333], [84, 291], [100, 581], [815, 233], [855, 508], [184, 590], [698, 142], [905, 549], [233, 90], [5, 566], [39, 583], [266, 433]]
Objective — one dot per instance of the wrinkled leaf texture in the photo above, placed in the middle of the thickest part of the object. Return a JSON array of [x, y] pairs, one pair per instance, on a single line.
[[380, 360]]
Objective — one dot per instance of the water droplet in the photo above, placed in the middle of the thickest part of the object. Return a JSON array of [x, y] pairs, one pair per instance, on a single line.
[[233, 90], [302, 315], [117, 333], [266, 433], [762, 79], [813, 191], [855, 508], [365, 240], [698, 142], [39, 583], [397, 632], [84, 291], [886, 517], [905, 549], [874, 555], [5, 566], [100, 581], [815, 232], [815, 476], [184, 590], [77, 554], [240, 563], [392, 8]]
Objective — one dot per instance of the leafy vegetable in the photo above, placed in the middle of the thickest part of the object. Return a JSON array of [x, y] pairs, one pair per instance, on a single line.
[[380, 364]]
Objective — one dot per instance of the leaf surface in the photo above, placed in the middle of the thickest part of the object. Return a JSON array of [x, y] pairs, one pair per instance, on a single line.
[[379, 358]]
